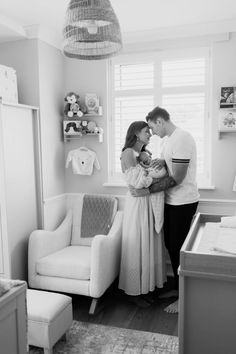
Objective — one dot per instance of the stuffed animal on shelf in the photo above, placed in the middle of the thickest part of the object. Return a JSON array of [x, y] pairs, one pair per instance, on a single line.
[[73, 107]]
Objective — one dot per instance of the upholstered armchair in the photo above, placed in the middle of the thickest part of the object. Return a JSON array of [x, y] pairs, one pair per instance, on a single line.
[[82, 256]]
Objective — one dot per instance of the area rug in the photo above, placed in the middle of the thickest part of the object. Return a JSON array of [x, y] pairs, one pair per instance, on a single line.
[[88, 338]]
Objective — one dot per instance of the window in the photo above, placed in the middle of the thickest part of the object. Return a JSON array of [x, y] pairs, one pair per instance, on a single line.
[[177, 81]]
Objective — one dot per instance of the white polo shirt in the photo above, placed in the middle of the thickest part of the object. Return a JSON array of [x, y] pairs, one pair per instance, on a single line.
[[180, 147]]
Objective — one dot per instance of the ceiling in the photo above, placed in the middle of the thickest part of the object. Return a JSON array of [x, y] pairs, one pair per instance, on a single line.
[[133, 15]]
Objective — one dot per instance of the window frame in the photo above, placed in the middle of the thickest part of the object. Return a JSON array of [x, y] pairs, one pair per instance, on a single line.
[[157, 91]]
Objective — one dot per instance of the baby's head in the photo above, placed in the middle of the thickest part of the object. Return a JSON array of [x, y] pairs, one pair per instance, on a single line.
[[145, 157]]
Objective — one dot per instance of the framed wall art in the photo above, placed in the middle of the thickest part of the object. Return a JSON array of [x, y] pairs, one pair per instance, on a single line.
[[228, 97], [92, 103], [227, 121]]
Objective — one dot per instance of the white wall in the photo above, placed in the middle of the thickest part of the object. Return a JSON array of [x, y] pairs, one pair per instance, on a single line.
[[51, 90], [223, 146], [40, 76], [84, 77], [88, 77]]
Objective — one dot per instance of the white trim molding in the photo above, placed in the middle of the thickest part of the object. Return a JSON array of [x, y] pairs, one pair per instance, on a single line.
[[45, 34], [217, 206], [215, 31], [10, 30], [206, 206]]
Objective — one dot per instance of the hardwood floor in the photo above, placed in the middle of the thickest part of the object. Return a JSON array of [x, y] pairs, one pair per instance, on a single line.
[[116, 309]]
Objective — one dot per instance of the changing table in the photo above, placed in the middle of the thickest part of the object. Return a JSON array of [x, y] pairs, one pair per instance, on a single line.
[[207, 288]]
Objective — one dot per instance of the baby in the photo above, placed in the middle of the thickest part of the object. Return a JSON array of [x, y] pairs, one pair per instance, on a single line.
[[145, 161]]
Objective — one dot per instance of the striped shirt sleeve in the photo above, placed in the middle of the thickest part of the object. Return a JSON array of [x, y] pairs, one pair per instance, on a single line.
[[182, 150], [182, 161]]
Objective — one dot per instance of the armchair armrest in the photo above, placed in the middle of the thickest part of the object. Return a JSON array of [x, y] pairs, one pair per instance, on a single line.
[[105, 258], [43, 243]]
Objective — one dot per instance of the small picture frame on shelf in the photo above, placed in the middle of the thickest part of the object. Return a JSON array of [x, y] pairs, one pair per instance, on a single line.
[[92, 103], [227, 97], [72, 127], [227, 121], [92, 127]]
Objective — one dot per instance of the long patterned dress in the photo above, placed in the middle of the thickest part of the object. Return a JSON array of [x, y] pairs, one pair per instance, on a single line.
[[143, 253]]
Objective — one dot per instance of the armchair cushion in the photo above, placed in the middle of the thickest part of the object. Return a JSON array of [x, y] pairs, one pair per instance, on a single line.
[[72, 262], [92, 215]]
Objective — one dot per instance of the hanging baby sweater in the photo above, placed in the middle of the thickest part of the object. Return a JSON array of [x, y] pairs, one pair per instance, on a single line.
[[82, 161]]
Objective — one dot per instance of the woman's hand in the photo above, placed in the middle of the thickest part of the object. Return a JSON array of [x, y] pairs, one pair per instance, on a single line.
[[138, 192], [158, 163]]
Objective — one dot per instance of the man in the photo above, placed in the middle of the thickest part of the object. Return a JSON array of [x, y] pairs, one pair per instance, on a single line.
[[181, 193]]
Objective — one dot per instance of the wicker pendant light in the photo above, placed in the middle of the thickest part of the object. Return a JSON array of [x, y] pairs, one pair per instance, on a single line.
[[91, 30]]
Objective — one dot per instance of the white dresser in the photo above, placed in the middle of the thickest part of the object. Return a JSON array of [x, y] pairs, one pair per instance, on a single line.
[[13, 321]]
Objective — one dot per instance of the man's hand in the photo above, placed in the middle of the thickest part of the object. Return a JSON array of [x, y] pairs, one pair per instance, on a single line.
[[158, 163], [162, 184], [138, 192], [143, 164]]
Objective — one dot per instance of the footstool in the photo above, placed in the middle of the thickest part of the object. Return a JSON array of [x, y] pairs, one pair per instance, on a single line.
[[49, 317]]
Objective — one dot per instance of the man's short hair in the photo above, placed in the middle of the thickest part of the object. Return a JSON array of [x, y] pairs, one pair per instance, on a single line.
[[158, 112]]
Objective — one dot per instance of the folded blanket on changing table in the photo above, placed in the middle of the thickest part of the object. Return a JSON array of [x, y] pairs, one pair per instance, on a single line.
[[215, 238], [226, 241], [228, 221]]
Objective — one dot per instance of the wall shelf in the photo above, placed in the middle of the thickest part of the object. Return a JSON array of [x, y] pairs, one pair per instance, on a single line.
[[74, 129], [92, 115], [84, 116], [78, 127], [69, 137], [231, 105], [222, 133], [227, 118]]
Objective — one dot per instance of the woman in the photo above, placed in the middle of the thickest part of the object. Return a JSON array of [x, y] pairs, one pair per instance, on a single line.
[[142, 258]]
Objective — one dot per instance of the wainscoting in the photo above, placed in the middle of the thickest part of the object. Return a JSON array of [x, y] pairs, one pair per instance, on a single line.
[[55, 208]]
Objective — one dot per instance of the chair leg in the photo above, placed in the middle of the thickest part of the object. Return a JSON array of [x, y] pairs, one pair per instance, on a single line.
[[65, 337], [48, 351], [93, 306]]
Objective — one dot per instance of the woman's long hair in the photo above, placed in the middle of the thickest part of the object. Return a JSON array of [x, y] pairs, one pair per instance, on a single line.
[[131, 137]]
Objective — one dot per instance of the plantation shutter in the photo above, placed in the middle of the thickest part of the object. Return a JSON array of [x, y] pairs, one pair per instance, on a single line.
[[133, 99]]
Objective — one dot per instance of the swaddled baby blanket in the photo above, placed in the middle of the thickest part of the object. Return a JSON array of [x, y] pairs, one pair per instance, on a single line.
[[136, 177]]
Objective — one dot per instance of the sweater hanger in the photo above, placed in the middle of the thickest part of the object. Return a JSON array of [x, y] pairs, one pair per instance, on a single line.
[[83, 148]]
